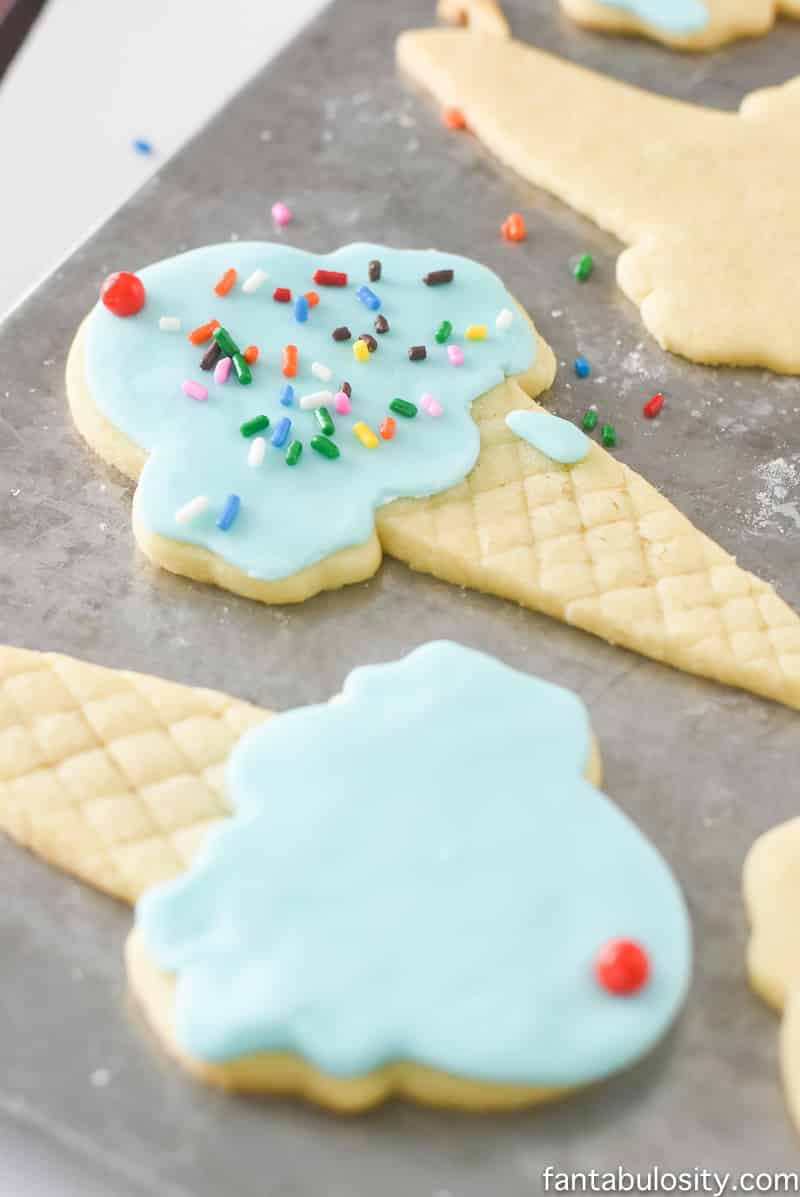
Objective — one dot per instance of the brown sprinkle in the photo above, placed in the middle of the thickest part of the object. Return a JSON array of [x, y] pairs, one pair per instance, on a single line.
[[375, 271], [417, 353], [435, 278], [381, 324], [211, 356], [369, 341], [346, 388], [342, 333]]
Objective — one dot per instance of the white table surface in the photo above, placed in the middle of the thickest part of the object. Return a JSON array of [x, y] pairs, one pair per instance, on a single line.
[[91, 76]]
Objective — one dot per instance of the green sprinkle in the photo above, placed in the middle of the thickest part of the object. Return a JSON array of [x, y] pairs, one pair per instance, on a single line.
[[443, 331], [583, 267], [257, 424], [294, 452], [402, 407], [327, 448], [243, 372], [608, 435], [589, 420], [225, 341], [324, 420]]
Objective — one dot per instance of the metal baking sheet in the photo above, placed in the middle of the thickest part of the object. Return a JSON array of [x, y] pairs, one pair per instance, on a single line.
[[84, 1091]]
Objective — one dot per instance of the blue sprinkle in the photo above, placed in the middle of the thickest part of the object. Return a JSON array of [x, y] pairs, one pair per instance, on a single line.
[[142, 145], [282, 430], [368, 298], [301, 309], [229, 512], [286, 396], [582, 367]]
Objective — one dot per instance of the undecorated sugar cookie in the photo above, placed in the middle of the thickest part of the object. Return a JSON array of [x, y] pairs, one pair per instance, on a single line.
[[381, 374], [684, 24], [707, 201], [421, 892], [772, 899]]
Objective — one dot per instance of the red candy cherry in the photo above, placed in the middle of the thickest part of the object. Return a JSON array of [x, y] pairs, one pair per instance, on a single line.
[[622, 966], [123, 293]]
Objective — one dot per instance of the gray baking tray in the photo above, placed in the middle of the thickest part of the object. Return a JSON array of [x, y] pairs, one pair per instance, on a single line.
[[87, 1100]]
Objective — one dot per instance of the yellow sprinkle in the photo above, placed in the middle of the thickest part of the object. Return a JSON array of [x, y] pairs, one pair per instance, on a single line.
[[364, 433], [475, 332], [360, 351]]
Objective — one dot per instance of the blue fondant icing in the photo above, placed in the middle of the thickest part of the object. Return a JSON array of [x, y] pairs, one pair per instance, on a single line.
[[561, 440], [674, 16], [420, 871], [291, 518]]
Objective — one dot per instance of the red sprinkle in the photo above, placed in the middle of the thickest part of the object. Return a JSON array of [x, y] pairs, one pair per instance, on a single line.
[[123, 293], [622, 966], [453, 118], [653, 405], [312, 298], [203, 332], [330, 278], [513, 227], [223, 285], [250, 354], [387, 428], [282, 294]]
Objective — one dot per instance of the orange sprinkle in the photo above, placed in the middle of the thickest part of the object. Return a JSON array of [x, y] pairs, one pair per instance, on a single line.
[[223, 285], [289, 361], [203, 332], [513, 227], [250, 354], [312, 298], [387, 428], [453, 118]]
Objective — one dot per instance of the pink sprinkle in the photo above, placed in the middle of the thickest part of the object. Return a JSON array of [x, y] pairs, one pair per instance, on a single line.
[[455, 355], [430, 405], [222, 369], [195, 390], [280, 213], [341, 403]]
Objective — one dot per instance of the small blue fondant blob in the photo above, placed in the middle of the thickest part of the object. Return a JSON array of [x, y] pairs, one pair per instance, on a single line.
[[673, 16], [558, 439], [582, 367], [142, 145]]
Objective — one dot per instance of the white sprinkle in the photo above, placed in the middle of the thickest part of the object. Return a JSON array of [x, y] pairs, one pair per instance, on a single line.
[[257, 451], [100, 1078], [323, 373], [504, 318], [318, 399], [170, 324], [192, 509], [256, 280]]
